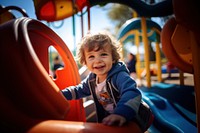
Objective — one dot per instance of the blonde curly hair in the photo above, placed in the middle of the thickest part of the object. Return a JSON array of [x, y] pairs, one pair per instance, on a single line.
[[95, 42]]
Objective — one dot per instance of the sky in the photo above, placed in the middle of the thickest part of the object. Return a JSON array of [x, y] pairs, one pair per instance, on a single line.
[[99, 21]]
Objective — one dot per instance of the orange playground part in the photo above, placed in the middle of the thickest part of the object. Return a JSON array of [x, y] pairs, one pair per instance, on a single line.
[[30, 99], [24, 52], [176, 46], [51, 10]]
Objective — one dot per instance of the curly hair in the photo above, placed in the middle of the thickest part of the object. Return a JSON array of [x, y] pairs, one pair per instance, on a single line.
[[97, 42]]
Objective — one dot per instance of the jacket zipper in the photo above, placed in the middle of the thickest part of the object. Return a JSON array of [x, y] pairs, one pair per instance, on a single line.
[[93, 98], [109, 84]]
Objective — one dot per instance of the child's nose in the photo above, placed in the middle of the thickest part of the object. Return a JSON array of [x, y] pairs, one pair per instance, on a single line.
[[98, 59]]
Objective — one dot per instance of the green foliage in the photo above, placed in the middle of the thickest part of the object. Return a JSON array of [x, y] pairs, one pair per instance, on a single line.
[[119, 14]]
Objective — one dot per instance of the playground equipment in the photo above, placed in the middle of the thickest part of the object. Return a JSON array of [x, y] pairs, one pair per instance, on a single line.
[[6, 15], [52, 10], [9, 98], [171, 112], [189, 20], [30, 99], [132, 30], [176, 45]]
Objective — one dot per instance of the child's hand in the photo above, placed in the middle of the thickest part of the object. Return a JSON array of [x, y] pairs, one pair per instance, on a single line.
[[114, 119]]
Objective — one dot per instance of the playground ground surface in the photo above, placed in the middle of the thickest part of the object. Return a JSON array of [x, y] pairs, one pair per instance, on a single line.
[[188, 79]]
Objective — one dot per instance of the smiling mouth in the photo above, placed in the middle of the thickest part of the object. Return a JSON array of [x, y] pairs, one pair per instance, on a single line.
[[99, 67]]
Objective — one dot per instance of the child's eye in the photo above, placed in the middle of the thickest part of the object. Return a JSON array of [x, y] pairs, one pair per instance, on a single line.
[[90, 57], [104, 54]]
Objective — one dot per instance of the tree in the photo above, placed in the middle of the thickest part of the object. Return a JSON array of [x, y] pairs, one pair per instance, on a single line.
[[119, 14]]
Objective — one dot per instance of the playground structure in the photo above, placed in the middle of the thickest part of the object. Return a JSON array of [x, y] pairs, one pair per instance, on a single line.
[[131, 31], [31, 59], [37, 102]]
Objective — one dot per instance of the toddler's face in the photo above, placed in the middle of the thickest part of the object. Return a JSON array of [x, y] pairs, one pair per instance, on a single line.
[[99, 61]]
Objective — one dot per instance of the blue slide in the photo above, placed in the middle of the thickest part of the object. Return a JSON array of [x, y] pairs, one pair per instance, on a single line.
[[166, 117]]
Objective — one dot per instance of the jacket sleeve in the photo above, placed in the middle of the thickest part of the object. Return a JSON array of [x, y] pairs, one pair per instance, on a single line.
[[130, 96], [76, 92]]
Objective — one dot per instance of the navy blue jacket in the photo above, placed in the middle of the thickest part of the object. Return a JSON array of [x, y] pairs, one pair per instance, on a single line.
[[121, 87]]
